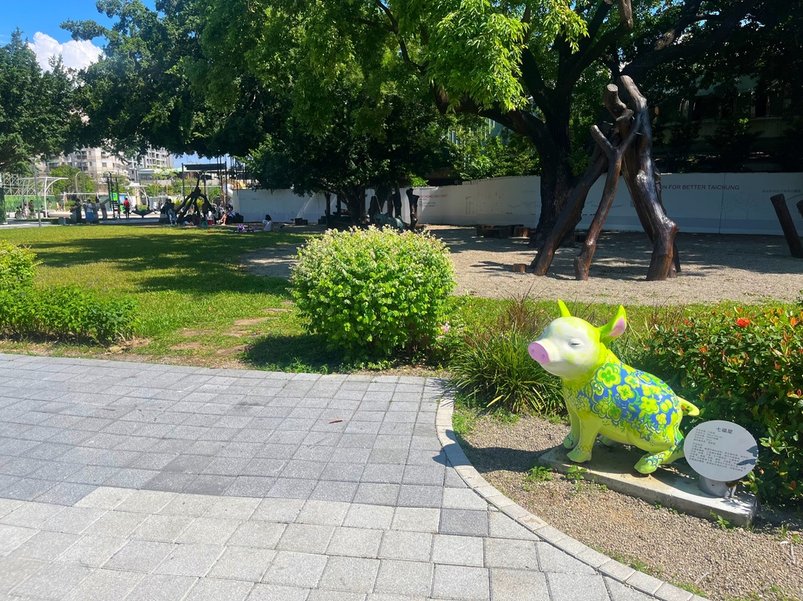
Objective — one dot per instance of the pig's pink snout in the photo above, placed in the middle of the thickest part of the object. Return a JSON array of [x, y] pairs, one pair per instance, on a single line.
[[539, 353]]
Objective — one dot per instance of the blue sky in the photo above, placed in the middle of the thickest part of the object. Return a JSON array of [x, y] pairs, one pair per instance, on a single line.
[[44, 16], [40, 21]]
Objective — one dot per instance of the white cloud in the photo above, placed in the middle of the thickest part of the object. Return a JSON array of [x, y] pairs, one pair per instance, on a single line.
[[75, 54]]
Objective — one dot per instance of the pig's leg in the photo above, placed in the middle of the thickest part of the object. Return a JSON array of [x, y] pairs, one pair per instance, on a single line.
[[649, 463], [574, 434], [589, 428], [677, 450]]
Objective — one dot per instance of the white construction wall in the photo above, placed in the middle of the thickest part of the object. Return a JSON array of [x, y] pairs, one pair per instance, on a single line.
[[724, 203]]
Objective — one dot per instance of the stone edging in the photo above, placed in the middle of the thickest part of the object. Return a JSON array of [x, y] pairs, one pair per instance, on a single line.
[[605, 565]]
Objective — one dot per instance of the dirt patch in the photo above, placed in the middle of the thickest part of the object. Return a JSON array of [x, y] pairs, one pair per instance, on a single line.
[[250, 322], [190, 333], [232, 350], [275, 261], [764, 562], [188, 346], [714, 267]]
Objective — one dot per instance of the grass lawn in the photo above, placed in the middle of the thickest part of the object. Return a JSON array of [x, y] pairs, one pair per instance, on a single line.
[[196, 305]]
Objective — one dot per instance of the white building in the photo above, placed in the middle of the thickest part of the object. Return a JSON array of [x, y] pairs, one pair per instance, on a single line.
[[97, 162]]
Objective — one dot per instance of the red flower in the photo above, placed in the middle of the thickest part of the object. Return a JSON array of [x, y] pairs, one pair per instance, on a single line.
[[742, 322]]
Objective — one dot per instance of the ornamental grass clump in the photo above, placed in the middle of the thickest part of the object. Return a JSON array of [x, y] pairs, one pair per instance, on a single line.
[[493, 370], [373, 293], [743, 365]]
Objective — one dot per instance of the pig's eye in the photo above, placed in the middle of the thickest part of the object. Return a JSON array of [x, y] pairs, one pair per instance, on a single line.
[[574, 343]]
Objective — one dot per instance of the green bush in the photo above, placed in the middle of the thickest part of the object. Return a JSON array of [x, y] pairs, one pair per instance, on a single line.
[[68, 313], [743, 365], [492, 368], [372, 292], [17, 266]]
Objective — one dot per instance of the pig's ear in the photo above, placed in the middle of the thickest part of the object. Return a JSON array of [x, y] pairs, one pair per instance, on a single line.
[[564, 310], [615, 327]]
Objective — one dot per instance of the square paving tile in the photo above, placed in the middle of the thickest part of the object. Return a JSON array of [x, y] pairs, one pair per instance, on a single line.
[[301, 570], [410, 546], [92, 551], [259, 534], [212, 531], [458, 550], [190, 560], [459, 582], [515, 585], [139, 556], [52, 581], [369, 516], [306, 538], [506, 553], [102, 585], [355, 542], [404, 577], [242, 563], [350, 574], [161, 587], [464, 521]]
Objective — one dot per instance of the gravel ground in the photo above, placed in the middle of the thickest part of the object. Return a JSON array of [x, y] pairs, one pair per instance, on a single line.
[[713, 268], [723, 564]]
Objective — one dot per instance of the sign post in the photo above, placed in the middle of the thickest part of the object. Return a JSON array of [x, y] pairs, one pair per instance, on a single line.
[[722, 453]]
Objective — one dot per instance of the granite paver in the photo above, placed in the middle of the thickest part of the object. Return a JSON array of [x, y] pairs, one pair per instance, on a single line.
[[132, 481]]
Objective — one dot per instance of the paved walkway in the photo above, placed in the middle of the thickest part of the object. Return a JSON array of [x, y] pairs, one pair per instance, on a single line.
[[152, 482]]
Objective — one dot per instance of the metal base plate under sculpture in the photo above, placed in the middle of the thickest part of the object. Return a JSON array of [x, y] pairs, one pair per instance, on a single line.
[[674, 486]]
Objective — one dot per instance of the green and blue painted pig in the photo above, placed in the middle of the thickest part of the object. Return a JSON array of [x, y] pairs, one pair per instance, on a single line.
[[608, 398]]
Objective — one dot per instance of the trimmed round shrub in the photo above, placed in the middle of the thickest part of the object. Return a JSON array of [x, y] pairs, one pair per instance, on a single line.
[[743, 365], [373, 293], [17, 266]]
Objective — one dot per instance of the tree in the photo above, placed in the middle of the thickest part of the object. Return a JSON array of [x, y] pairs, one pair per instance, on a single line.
[[190, 85], [73, 175], [37, 111], [480, 152], [527, 65], [524, 64], [384, 147]]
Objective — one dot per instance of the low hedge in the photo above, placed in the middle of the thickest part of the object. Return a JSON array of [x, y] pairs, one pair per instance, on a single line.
[[742, 364], [67, 313]]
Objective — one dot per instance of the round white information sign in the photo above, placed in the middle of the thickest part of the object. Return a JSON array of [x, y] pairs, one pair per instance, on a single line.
[[721, 450]]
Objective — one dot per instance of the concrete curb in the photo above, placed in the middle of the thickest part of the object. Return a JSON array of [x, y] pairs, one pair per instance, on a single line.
[[607, 566]]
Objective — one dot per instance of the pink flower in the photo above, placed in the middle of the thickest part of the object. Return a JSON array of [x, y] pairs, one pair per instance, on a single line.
[[445, 328]]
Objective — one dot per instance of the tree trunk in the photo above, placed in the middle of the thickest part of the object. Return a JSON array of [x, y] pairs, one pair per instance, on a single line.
[[625, 132], [640, 176], [556, 186], [570, 215]]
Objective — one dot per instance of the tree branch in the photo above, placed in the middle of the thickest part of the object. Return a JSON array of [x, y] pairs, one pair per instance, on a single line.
[[665, 48], [394, 28], [532, 78]]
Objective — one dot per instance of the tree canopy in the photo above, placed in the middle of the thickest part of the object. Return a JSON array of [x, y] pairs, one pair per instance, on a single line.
[[37, 111], [233, 76]]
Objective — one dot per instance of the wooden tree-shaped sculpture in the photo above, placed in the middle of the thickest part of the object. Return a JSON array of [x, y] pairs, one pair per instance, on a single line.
[[626, 150]]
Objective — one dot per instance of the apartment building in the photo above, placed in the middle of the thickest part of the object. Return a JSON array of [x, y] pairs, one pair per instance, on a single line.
[[97, 162]]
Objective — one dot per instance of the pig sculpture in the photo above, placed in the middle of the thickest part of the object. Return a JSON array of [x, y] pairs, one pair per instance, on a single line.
[[607, 397]]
